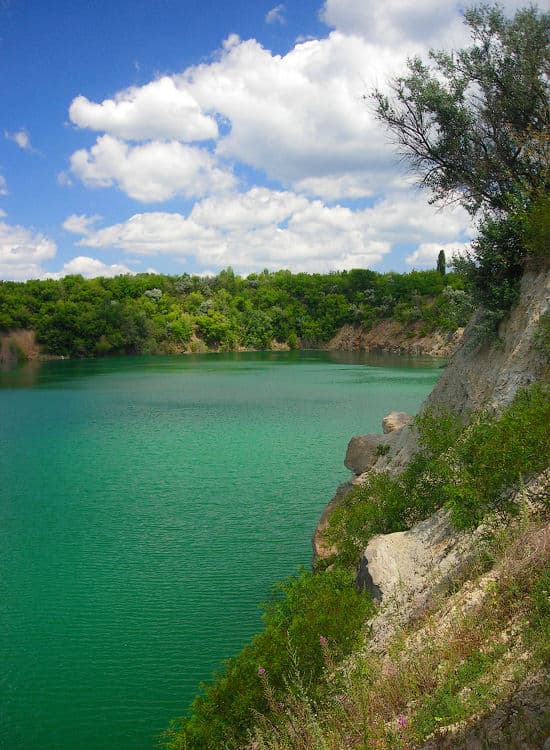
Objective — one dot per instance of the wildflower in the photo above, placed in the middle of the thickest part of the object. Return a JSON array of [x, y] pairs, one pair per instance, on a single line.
[[323, 641], [261, 671], [402, 721]]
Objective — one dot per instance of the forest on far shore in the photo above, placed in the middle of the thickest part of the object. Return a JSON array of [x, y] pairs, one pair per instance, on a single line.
[[150, 313]]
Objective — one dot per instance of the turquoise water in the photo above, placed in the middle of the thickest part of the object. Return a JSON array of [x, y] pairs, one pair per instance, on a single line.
[[147, 505]]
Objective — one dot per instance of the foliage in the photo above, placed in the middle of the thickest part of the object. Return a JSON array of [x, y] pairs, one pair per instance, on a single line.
[[467, 120], [494, 454], [455, 664], [470, 470], [156, 313], [441, 263], [473, 124], [305, 612]]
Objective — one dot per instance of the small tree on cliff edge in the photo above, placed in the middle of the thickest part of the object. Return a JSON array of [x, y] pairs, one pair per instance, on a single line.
[[441, 263], [474, 125]]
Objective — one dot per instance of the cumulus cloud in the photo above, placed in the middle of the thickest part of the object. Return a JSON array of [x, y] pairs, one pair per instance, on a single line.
[[150, 172], [425, 255], [80, 223], [159, 110], [395, 21], [301, 116], [272, 229], [301, 119], [429, 23], [276, 14], [21, 138], [256, 208], [89, 268], [22, 251]]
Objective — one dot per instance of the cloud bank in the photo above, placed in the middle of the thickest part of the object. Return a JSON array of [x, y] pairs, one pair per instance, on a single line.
[[300, 122]]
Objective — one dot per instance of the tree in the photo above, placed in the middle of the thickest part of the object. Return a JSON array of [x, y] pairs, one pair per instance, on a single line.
[[441, 262], [473, 123]]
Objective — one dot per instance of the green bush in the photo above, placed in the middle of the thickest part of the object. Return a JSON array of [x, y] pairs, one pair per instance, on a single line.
[[495, 454], [471, 470], [303, 608]]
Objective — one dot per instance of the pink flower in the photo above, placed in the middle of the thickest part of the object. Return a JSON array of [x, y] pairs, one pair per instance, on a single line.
[[323, 641], [402, 721], [261, 671]]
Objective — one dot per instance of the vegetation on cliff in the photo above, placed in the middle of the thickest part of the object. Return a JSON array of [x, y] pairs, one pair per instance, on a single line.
[[150, 313], [290, 672]]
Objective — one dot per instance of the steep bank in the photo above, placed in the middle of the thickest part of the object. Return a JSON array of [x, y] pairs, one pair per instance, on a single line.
[[392, 336], [482, 374], [19, 345], [436, 586]]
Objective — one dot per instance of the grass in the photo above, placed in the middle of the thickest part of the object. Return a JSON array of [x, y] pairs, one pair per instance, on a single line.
[[473, 470], [456, 664]]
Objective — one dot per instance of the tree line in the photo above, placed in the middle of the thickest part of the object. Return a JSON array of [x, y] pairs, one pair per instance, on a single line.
[[150, 313]]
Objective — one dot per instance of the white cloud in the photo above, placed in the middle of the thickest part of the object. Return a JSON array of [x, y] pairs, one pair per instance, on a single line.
[[407, 217], [256, 208], [276, 14], [80, 224], [159, 110], [425, 256], [3, 186], [276, 229], [89, 268], [301, 117], [301, 236], [429, 23], [393, 22], [22, 251], [21, 138], [150, 172]]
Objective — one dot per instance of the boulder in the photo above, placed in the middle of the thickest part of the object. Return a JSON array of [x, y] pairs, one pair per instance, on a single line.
[[364, 451], [395, 420], [415, 563]]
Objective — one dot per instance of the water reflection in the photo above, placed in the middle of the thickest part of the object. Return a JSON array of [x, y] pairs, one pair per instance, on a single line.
[[44, 374]]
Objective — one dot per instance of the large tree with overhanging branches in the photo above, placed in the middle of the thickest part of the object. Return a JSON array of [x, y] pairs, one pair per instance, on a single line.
[[473, 124]]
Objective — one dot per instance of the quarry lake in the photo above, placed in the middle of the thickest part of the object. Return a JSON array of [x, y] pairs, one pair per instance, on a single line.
[[147, 505]]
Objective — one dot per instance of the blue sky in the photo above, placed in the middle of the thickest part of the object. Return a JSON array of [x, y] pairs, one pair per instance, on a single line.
[[189, 136]]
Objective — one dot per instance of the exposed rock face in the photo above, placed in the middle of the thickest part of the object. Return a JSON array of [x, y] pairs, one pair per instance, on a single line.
[[407, 570], [487, 376], [395, 420], [364, 450], [321, 549], [490, 376], [415, 563], [392, 336]]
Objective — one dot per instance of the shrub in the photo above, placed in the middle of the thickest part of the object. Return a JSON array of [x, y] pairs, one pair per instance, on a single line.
[[471, 470], [303, 608]]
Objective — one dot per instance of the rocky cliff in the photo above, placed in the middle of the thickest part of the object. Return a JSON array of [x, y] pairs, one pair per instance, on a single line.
[[411, 573], [392, 336], [434, 587]]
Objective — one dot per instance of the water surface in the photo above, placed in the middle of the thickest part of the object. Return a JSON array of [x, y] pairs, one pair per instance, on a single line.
[[147, 505]]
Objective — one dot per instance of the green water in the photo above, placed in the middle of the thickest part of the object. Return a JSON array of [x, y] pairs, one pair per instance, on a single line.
[[146, 507]]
